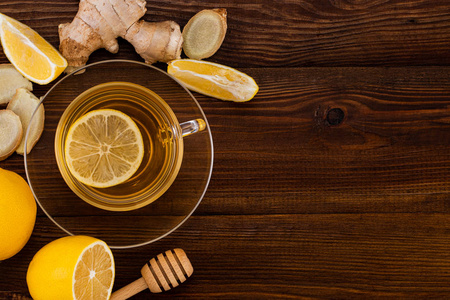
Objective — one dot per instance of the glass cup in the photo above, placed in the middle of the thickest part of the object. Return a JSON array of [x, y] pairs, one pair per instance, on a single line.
[[162, 138], [160, 197]]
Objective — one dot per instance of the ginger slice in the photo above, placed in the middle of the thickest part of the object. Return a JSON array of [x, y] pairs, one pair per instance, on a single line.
[[204, 33], [10, 81], [10, 134], [23, 104]]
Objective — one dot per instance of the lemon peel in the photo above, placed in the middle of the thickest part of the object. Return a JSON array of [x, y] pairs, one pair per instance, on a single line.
[[17, 213], [72, 267]]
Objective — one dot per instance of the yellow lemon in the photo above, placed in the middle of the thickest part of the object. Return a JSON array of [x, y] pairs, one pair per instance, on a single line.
[[72, 267], [17, 213], [103, 148], [31, 54], [213, 79]]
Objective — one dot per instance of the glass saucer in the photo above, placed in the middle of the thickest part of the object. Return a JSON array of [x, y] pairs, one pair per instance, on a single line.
[[132, 228]]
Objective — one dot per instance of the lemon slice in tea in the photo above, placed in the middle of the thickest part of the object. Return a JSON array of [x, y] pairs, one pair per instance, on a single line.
[[103, 148]]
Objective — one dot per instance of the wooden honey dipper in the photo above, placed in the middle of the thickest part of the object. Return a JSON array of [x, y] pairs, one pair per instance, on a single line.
[[167, 270]]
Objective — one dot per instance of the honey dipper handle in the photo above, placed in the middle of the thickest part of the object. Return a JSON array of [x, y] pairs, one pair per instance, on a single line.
[[130, 290]]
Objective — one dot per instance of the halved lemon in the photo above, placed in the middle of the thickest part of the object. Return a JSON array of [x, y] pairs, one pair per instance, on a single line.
[[30, 54], [103, 148], [214, 80], [73, 267]]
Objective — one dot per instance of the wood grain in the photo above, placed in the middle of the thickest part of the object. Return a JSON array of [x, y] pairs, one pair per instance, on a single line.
[[332, 183], [290, 33], [357, 209], [289, 256], [390, 153]]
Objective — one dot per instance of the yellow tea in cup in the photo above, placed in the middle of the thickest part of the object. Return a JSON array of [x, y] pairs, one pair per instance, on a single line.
[[162, 138]]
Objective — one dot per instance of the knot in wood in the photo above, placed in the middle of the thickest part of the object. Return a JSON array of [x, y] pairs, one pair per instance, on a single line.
[[335, 116]]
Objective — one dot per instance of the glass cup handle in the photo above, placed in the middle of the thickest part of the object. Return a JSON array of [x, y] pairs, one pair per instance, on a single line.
[[193, 126]]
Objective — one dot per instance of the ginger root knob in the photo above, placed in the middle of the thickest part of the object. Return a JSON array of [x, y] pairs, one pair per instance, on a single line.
[[98, 23], [154, 42]]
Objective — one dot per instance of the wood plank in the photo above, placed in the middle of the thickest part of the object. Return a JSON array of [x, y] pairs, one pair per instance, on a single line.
[[290, 33], [13, 296], [390, 153], [332, 183], [313, 255]]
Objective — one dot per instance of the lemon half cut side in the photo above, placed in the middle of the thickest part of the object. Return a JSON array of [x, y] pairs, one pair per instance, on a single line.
[[72, 267], [94, 272], [103, 148]]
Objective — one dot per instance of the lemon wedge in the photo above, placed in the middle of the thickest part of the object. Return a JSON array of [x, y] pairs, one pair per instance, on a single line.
[[72, 267], [214, 80], [103, 148], [30, 54]]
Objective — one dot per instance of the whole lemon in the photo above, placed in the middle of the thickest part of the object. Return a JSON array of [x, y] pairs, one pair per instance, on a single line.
[[72, 267], [17, 213]]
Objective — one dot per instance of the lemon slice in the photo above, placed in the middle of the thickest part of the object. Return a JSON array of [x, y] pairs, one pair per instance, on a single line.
[[103, 148], [30, 54], [213, 79], [73, 267]]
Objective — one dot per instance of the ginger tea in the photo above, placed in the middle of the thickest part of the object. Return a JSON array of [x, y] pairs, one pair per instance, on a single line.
[[161, 133]]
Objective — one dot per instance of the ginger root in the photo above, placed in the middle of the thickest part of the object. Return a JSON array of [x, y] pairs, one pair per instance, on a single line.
[[99, 23], [165, 40]]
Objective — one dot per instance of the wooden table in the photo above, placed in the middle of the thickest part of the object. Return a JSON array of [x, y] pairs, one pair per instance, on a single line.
[[333, 182]]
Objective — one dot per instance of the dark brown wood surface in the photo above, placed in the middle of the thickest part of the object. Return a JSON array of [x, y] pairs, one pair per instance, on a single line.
[[333, 182]]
